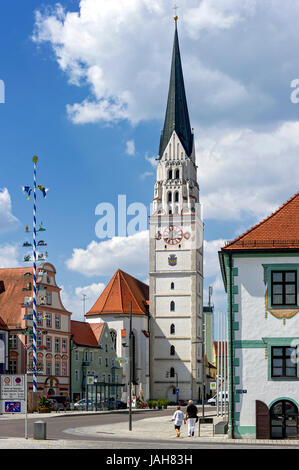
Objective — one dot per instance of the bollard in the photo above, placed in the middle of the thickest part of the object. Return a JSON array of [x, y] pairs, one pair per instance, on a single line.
[[40, 430]]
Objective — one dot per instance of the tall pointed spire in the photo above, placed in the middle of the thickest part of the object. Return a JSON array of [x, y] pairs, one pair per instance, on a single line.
[[177, 115]]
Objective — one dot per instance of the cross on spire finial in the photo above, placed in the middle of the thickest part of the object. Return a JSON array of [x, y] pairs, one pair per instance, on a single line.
[[175, 12]]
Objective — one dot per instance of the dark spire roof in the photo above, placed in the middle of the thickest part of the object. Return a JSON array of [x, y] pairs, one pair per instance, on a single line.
[[177, 116]]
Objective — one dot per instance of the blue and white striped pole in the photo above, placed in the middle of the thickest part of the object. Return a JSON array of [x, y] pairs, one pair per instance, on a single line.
[[35, 159]]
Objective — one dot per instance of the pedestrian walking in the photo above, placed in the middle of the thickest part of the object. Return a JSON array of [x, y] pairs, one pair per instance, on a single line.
[[178, 419], [191, 417]]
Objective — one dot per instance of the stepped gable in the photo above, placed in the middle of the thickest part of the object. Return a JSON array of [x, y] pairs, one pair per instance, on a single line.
[[117, 295], [278, 231]]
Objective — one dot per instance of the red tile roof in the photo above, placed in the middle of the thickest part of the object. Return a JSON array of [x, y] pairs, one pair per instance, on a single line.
[[12, 299], [279, 230], [86, 334], [117, 295]]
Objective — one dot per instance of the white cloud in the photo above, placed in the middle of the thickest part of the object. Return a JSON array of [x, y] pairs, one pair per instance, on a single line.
[[217, 14], [130, 147], [104, 258], [146, 174], [121, 51], [9, 256], [212, 274], [72, 299], [243, 173], [210, 254], [152, 160], [7, 220]]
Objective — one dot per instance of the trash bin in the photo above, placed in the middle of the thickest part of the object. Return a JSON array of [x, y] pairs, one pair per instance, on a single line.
[[40, 430]]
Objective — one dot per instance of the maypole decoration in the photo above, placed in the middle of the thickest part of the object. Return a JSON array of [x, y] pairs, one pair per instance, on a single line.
[[27, 190], [35, 159]]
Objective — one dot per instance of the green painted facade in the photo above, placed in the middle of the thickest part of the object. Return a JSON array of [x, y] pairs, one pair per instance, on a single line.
[[250, 431], [100, 361]]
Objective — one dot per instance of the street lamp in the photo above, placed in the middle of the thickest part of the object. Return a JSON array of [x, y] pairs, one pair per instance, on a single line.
[[130, 368]]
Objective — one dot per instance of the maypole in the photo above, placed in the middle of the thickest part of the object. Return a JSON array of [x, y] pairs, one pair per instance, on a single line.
[[36, 257], [35, 159]]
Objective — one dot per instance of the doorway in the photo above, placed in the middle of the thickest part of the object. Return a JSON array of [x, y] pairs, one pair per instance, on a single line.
[[284, 420]]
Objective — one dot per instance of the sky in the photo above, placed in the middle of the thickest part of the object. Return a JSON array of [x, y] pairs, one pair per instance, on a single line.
[[85, 88]]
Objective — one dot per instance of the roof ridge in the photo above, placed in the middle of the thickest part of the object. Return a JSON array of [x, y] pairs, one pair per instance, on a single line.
[[131, 290], [261, 222], [119, 272], [111, 282]]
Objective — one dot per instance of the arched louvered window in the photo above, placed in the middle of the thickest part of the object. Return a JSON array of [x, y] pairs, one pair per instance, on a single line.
[[172, 372], [177, 174], [113, 335], [169, 196], [172, 329], [172, 350], [172, 286], [176, 196], [170, 175], [172, 306]]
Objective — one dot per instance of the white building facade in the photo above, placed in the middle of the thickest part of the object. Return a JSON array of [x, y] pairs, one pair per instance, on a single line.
[[261, 273], [113, 308], [176, 255]]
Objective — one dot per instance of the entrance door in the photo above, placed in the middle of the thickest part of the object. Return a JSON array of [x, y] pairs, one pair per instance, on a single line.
[[284, 416]]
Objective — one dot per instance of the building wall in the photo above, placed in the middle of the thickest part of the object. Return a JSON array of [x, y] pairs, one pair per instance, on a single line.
[[255, 330], [3, 351], [121, 322], [97, 364], [53, 306], [187, 277]]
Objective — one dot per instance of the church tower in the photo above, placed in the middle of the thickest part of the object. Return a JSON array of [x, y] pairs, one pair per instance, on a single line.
[[176, 254]]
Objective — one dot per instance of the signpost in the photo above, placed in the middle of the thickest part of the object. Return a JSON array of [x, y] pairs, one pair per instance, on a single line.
[[213, 386], [13, 396]]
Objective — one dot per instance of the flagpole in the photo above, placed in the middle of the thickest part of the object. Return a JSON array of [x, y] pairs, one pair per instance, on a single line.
[[221, 363], [35, 159], [217, 365], [224, 367]]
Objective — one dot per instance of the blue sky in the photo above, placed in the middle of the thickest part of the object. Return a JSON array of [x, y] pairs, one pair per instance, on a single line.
[[84, 79]]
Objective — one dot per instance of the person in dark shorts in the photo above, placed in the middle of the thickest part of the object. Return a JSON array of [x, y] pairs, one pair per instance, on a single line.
[[190, 418], [178, 419]]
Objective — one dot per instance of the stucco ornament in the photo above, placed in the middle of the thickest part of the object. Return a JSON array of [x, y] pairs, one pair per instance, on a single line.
[[281, 313]]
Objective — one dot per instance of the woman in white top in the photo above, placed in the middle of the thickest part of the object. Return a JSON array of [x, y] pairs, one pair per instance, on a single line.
[[178, 419]]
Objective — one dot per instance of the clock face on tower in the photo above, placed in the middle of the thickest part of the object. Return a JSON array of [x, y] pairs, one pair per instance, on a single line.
[[172, 235]]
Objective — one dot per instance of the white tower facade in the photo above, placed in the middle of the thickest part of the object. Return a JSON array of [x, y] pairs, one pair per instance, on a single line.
[[176, 256]]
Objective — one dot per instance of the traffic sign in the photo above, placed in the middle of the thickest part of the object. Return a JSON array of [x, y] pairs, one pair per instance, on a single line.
[[13, 406], [177, 390], [12, 387]]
